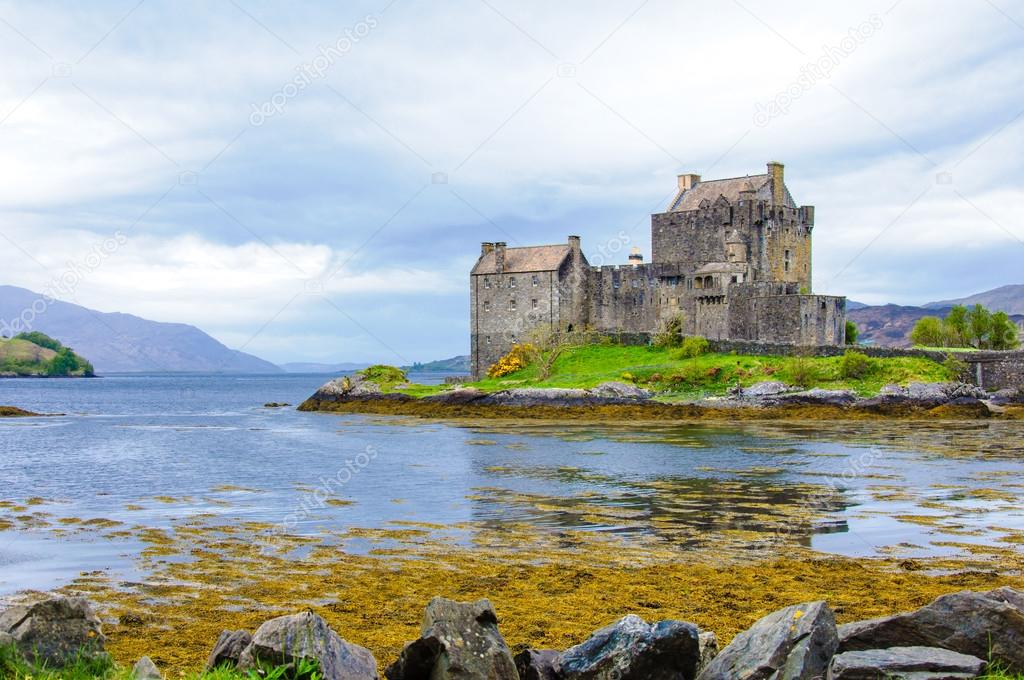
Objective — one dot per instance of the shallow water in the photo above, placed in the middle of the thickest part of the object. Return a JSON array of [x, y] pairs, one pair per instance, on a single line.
[[154, 451]]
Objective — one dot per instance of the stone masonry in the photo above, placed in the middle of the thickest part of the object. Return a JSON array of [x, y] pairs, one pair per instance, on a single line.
[[731, 256]]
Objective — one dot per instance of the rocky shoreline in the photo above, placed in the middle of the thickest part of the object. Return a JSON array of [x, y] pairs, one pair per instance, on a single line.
[[15, 412], [766, 400], [956, 637]]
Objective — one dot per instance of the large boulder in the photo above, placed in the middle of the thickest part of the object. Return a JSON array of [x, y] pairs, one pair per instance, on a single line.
[[287, 639], [620, 390], [979, 624], [228, 649], [145, 669], [55, 631], [631, 649], [458, 641], [708, 647], [538, 664], [795, 643], [905, 663]]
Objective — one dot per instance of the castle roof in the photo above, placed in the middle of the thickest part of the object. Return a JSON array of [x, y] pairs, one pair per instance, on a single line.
[[712, 189], [722, 267], [529, 259]]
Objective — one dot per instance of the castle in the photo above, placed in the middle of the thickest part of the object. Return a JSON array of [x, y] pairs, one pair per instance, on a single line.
[[732, 255]]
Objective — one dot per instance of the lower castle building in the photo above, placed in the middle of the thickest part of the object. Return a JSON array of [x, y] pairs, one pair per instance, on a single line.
[[733, 256]]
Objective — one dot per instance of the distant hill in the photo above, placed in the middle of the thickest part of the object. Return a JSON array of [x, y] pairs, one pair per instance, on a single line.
[[459, 364], [116, 342], [35, 354], [890, 325], [1009, 299], [311, 367]]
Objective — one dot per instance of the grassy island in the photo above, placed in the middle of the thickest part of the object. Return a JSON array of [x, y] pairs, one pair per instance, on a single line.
[[38, 355]]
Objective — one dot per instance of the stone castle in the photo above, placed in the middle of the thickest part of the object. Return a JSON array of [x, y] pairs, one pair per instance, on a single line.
[[732, 255]]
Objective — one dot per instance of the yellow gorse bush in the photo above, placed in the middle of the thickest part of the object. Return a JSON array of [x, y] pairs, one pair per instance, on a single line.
[[517, 359]]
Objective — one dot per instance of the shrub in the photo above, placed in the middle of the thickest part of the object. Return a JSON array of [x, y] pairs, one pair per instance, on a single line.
[[383, 374], [517, 359], [670, 331], [803, 372], [855, 365], [693, 346], [852, 333], [929, 331], [40, 339], [956, 368]]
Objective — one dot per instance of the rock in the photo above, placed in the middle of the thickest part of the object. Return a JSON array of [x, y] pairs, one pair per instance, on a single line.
[[538, 664], [145, 669], [7, 640], [768, 388], [795, 643], [822, 396], [458, 641], [631, 649], [972, 623], [54, 631], [892, 390], [1008, 595], [619, 390], [708, 647], [228, 649], [909, 663], [286, 639], [927, 392], [459, 395]]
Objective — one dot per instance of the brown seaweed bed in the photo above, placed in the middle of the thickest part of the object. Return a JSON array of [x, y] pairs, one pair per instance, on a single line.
[[550, 589]]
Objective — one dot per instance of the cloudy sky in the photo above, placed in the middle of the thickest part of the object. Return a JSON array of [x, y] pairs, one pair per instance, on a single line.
[[311, 181]]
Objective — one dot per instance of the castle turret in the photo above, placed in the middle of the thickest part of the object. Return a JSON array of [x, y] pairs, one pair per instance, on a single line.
[[635, 256], [776, 172], [735, 247]]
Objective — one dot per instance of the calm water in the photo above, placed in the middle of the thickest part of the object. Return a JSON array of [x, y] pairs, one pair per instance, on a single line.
[[153, 451]]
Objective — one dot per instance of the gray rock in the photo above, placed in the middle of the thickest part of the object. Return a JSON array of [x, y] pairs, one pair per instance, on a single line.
[[905, 663], [768, 388], [458, 641], [7, 640], [228, 649], [795, 643], [459, 395], [708, 646], [1014, 598], [892, 390], [287, 639], [54, 631], [619, 390], [538, 664], [967, 622], [822, 396], [145, 669], [931, 392], [631, 649]]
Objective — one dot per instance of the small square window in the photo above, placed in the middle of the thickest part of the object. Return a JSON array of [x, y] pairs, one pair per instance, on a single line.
[[536, 280], [533, 304], [487, 282], [487, 305], [512, 282], [511, 305]]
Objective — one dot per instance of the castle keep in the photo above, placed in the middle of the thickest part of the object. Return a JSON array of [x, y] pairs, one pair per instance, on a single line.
[[732, 255]]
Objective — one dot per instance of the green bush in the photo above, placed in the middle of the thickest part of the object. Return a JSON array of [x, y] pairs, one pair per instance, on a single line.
[[956, 368], [670, 331], [803, 372], [693, 346], [40, 339], [852, 333], [855, 365], [383, 374]]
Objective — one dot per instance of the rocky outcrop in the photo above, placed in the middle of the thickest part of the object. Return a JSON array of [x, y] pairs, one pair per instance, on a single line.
[[458, 641], [905, 663], [795, 643], [287, 639], [631, 649], [538, 664], [228, 649], [54, 631], [145, 669], [985, 625]]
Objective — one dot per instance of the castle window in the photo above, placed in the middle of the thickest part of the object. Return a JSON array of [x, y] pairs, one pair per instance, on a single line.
[[487, 305], [536, 280], [487, 282], [512, 282], [488, 339], [512, 305], [735, 279], [533, 304], [787, 259]]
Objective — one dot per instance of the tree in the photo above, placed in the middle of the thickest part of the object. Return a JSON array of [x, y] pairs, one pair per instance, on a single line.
[[546, 343], [41, 339], [852, 332], [64, 363], [956, 327], [1003, 332], [979, 325], [929, 331]]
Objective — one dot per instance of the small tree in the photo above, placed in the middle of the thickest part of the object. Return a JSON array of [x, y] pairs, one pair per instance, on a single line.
[[64, 363], [929, 331], [547, 343], [1003, 334], [852, 332], [956, 325], [979, 325], [670, 331]]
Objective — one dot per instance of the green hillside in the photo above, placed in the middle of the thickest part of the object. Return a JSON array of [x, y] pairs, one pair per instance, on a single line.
[[36, 354]]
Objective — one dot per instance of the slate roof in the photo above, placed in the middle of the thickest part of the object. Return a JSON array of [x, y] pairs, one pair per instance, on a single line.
[[529, 259], [722, 267], [730, 188]]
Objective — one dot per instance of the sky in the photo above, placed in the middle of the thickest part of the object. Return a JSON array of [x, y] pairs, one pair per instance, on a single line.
[[312, 181]]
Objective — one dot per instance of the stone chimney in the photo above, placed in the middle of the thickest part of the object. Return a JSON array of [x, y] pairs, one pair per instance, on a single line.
[[687, 182], [486, 247], [635, 256], [499, 257], [775, 172], [574, 244]]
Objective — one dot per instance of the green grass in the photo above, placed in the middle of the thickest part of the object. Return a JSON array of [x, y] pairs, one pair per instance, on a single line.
[[14, 667], [25, 358], [674, 377]]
